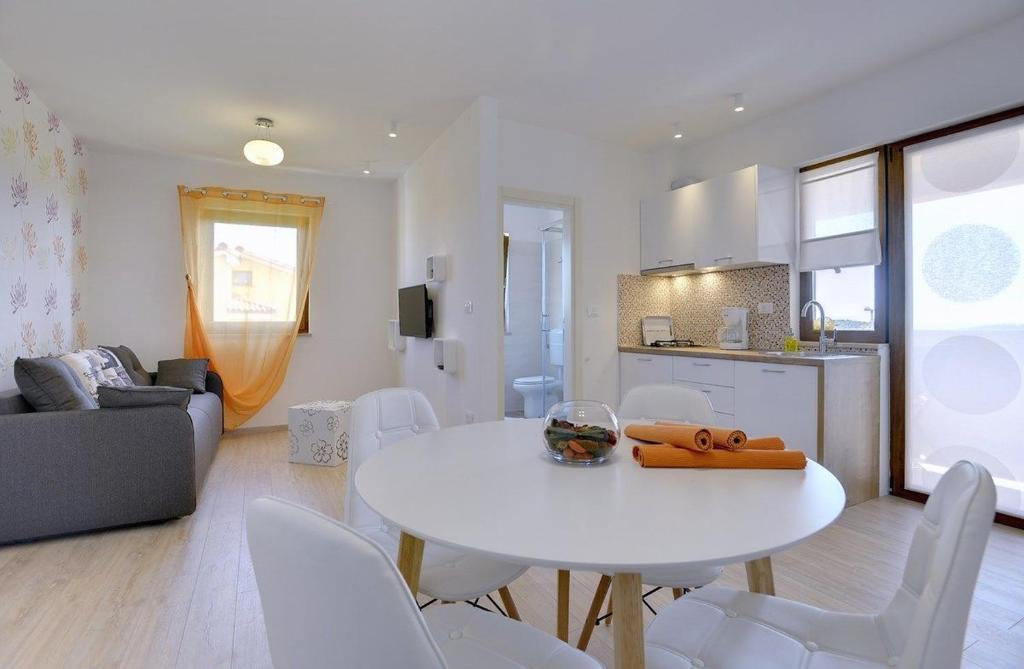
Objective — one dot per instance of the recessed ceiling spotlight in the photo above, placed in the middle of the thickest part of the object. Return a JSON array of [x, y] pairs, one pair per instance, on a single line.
[[676, 132], [260, 150], [393, 133], [366, 168], [737, 102]]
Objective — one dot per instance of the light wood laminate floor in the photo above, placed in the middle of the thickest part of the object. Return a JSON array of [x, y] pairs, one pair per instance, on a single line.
[[182, 593]]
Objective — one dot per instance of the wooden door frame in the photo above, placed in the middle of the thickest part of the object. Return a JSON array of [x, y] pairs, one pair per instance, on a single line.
[[896, 247]]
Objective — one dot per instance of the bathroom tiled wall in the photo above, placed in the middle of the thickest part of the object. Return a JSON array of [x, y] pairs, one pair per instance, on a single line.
[[695, 304]]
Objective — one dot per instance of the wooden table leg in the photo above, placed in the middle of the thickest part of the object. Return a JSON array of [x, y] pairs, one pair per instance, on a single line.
[[759, 576], [628, 626], [410, 560], [562, 628]]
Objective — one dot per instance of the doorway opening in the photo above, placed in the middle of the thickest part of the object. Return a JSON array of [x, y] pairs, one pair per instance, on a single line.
[[537, 293]]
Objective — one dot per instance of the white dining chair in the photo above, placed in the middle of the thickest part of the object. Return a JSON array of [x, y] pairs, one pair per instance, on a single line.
[[664, 401], [922, 628], [658, 401], [381, 418], [333, 598]]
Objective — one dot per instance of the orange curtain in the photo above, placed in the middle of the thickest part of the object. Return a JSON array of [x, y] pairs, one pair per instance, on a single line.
[[248, 261]]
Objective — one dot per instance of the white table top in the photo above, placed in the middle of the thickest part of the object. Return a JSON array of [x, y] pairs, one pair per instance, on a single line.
[[492, 488]]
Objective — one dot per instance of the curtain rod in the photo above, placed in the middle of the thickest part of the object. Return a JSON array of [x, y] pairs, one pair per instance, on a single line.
[[245, 195]]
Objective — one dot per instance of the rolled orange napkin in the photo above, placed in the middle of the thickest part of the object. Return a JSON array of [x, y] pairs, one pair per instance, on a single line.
[[691, 437], [721, 437], [766, 444], [661, 455]]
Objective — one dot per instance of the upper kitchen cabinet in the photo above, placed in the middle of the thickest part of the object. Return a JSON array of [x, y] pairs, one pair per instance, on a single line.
[[742, 219]]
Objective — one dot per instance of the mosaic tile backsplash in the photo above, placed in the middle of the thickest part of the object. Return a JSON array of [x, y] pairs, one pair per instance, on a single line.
[[695, 304]]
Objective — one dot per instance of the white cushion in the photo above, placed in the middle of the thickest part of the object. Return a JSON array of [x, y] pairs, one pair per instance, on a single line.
[[449, 574], [720, 628], [473, 639]]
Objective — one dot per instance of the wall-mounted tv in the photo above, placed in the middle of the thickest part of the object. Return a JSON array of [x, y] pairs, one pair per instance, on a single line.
[[415, 312]]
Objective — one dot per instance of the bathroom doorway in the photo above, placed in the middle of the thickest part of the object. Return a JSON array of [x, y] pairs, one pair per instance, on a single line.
[[537, 295]]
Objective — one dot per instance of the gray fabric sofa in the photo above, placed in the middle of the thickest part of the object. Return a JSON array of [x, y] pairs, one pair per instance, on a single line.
[[71, 471]]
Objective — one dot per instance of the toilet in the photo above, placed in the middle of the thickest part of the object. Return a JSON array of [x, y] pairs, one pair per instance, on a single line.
[[532, 387]]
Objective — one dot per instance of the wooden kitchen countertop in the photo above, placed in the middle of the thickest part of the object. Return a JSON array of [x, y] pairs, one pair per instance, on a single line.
[[807, 359]]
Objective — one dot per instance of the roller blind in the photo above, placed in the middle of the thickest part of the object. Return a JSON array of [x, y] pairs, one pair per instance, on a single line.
[[839, 215]]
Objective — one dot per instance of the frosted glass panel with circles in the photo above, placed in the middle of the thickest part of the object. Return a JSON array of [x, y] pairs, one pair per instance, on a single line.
[[965, 308]]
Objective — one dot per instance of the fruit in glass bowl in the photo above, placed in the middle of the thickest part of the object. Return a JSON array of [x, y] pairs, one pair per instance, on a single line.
[[581, 432]]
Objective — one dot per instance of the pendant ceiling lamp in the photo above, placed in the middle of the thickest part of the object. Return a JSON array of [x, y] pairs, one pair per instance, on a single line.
[[261, 150]]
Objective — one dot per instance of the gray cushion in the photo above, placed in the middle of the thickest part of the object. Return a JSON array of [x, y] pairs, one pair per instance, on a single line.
[[50, 385], [131, 364], [183, 373], [120, 397]]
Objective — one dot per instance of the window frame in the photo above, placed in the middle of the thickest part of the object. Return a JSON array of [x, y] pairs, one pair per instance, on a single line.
[[232, 327], [880, 333]]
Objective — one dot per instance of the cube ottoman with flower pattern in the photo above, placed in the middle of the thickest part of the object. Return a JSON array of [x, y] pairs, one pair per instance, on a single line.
[[318, 432]]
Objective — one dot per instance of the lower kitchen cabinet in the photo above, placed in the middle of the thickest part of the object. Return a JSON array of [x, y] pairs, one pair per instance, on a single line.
[[828, 410], [779, 400]]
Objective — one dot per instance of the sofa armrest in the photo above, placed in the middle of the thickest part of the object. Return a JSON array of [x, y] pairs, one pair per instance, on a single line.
[[215, 385], [68, 471]]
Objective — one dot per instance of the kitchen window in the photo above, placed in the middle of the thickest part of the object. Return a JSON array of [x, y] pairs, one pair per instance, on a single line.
[[842, 233]]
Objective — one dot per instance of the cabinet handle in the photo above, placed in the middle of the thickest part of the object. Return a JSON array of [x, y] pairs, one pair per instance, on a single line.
[[723, 258], [665, 261], [702, 364], [645, 359], [773, 371]]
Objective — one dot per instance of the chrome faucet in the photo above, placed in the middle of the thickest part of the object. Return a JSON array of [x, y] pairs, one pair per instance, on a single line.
[[822, 339]]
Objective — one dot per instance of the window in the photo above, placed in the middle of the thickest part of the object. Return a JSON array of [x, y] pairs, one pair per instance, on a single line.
[[961, 307], [241, 278], [253, 266], [841, 260]]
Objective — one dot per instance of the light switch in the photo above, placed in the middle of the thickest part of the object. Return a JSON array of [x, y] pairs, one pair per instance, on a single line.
[[766, 308], [591, 311], [468, 307]]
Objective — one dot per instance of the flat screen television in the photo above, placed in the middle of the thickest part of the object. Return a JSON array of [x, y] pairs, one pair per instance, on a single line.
[[415, 312]]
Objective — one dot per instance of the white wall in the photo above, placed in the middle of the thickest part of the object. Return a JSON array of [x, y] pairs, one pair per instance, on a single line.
[[137, 289], [608, 181], [448, 203], [966, 78]]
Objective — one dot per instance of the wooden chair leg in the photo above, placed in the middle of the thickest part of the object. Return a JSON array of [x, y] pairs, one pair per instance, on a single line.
[[510, 604], [595, 609], [608, 613], [677, 593]]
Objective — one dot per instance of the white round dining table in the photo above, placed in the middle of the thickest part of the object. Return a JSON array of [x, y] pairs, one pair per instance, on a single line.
[[491, 488]]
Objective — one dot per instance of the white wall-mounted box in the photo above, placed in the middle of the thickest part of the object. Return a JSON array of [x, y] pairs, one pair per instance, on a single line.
[[437, 267], [446, 353], [396, 342]]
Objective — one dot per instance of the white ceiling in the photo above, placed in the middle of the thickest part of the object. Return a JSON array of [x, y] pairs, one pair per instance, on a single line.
[[189, 76]]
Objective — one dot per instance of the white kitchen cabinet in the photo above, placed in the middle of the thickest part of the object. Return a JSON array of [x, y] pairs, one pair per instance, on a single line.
[[779, 400], [741, 219], [638, 369], [665, 231]]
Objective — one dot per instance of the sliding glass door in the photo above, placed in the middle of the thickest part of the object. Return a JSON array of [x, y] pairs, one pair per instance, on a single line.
[[963, 330]]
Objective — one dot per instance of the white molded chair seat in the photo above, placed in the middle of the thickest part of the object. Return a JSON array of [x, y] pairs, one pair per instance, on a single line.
[[333, 598], [379, 419], [922, 628], [472, 638], [451, 575]]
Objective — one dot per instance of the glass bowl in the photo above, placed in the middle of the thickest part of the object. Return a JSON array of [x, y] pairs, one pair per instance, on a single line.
[[581, 432]]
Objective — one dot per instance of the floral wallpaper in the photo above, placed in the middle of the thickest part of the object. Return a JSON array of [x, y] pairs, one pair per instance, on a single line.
[[43, 259]]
